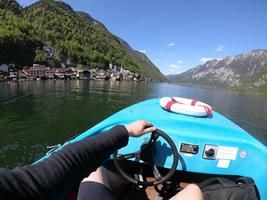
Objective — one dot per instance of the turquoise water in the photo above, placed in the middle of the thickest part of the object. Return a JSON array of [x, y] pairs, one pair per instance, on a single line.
[[34, 114]]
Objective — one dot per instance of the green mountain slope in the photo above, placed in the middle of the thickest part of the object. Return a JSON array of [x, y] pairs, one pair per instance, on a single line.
[[52, 31], [18, 40], [10, 5], [146, 66]]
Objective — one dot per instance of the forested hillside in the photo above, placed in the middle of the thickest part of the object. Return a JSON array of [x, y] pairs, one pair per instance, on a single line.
[[51, 32], [18, 40]]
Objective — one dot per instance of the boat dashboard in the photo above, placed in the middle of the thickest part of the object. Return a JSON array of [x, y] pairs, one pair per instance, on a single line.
[[207, 154], [205, 145]]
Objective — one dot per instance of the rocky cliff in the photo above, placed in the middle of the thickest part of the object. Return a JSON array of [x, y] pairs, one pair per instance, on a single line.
[[248, 70]]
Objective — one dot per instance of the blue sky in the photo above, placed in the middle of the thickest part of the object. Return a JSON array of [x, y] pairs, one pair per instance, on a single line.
[[180, 34]]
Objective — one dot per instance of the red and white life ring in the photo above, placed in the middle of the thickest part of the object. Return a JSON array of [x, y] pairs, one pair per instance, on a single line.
[[185, 106]]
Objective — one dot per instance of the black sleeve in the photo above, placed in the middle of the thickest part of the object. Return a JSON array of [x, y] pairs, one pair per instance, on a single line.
[[64, 169]]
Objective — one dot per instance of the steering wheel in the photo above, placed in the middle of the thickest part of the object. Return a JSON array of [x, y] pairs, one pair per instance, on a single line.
[[146, 155]]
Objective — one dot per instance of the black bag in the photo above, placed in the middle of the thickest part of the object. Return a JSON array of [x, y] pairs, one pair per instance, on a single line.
[[224, 189]]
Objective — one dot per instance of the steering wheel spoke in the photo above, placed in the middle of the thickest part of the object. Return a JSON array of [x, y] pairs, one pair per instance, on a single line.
[[153, 138], [128, 156], [145, 156], [156, 172]]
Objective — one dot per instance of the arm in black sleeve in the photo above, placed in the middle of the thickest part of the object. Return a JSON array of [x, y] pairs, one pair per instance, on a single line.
[[63, 169]]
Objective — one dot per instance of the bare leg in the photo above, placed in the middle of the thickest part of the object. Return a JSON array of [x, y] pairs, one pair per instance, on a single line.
[[99, 185], [98, 176], [190, 192], [110, 179]]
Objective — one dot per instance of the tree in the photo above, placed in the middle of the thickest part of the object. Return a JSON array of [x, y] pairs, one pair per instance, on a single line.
[[41, 57]]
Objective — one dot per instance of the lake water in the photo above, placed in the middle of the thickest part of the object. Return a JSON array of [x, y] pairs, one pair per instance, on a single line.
[[34, 114]]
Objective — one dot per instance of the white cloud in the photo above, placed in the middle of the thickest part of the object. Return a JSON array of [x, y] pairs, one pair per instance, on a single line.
[[174, 71], [220, 48], [142, 51], [174, 66], [171, 44]]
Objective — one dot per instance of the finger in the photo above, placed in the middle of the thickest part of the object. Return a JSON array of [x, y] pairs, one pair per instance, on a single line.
[[147, 124], [150, 129]]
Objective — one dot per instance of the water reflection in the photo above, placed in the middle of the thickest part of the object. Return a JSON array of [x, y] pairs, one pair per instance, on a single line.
[[34, 114]]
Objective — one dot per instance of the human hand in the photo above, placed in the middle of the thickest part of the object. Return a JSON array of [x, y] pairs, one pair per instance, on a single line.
[[139, 128]]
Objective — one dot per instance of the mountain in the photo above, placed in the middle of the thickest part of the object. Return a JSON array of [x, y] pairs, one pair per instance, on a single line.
[[248, 70], [51, 33], [10, 5], [18, 39], [147, 67]]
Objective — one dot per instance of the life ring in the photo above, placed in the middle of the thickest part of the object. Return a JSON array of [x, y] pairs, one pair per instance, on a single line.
[[185, 106]]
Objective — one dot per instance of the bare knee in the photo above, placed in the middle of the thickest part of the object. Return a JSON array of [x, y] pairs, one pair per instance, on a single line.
[[108, 178], [190, 192], [99, 176]]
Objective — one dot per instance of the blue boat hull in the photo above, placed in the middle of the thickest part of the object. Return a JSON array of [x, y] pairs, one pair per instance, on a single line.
[[236, 152]]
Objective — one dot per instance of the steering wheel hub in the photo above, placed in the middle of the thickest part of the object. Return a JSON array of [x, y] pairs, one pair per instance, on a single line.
[[146, 154]]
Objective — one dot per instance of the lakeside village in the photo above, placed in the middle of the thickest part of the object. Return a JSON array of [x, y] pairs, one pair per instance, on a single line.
[[8, 72]]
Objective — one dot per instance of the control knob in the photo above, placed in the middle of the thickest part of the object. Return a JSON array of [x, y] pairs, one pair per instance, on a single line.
[[210, 153]]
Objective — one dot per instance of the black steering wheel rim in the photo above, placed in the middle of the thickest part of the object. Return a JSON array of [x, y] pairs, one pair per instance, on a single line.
[[164, 178]]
